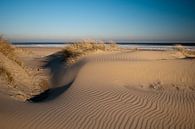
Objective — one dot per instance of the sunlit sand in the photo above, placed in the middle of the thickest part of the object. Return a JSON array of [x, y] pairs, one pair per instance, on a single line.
[[101, 90]]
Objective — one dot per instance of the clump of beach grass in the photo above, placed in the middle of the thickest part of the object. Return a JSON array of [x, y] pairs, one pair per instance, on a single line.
[[5, 48], [76, 50], [186, 52], [8, 51]]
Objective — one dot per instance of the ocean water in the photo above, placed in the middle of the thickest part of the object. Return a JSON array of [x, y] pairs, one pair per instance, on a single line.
[[148, 46]]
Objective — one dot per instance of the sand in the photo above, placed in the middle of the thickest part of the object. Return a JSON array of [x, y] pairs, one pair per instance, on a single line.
[[114, 90]]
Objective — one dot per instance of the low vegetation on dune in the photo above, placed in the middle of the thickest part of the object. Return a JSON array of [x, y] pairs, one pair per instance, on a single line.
[[186, 52], [76, 50], [5, 48], [9, 51], [16, 76]]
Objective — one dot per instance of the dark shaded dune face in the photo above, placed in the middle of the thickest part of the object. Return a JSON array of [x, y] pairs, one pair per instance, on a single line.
[[113, 92]]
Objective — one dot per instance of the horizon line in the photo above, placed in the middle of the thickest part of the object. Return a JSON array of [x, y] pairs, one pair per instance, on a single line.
[[104, 41]]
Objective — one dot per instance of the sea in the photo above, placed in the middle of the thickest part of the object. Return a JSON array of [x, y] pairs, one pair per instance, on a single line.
[[148, 46]]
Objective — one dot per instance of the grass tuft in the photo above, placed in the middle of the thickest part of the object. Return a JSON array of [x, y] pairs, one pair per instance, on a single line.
[[8, 51], [5, 48]]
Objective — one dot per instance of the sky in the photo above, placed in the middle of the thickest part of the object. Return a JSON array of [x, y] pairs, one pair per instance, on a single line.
[[116, 20]]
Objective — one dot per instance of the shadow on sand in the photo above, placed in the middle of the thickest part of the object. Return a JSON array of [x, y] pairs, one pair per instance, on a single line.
[[50, 94], [55, 63]]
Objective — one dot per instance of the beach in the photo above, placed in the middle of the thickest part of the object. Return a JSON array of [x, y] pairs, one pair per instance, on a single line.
[[129, 89], [97, 64]]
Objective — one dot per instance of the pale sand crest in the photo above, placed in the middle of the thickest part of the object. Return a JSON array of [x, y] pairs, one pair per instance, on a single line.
[[117, 90]]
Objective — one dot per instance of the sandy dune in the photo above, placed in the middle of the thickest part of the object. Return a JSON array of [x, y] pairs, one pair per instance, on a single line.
[[115, 90], [17, 80]]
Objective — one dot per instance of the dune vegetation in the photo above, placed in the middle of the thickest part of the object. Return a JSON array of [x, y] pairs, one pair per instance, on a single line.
[[76, 50], [9, 51]]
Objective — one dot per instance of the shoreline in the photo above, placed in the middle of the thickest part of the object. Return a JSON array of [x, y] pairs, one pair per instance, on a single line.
[[125, 46]]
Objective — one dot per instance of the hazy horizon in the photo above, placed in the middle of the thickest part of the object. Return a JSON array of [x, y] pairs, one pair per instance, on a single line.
[[117, 20]]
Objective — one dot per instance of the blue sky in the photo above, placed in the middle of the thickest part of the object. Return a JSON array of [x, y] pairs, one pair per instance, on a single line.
[[118, 20]]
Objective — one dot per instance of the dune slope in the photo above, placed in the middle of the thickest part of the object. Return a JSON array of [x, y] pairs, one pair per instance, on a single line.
[[16, 79]]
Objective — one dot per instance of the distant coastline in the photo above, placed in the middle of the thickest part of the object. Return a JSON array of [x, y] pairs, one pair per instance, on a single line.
[[148, 46]]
